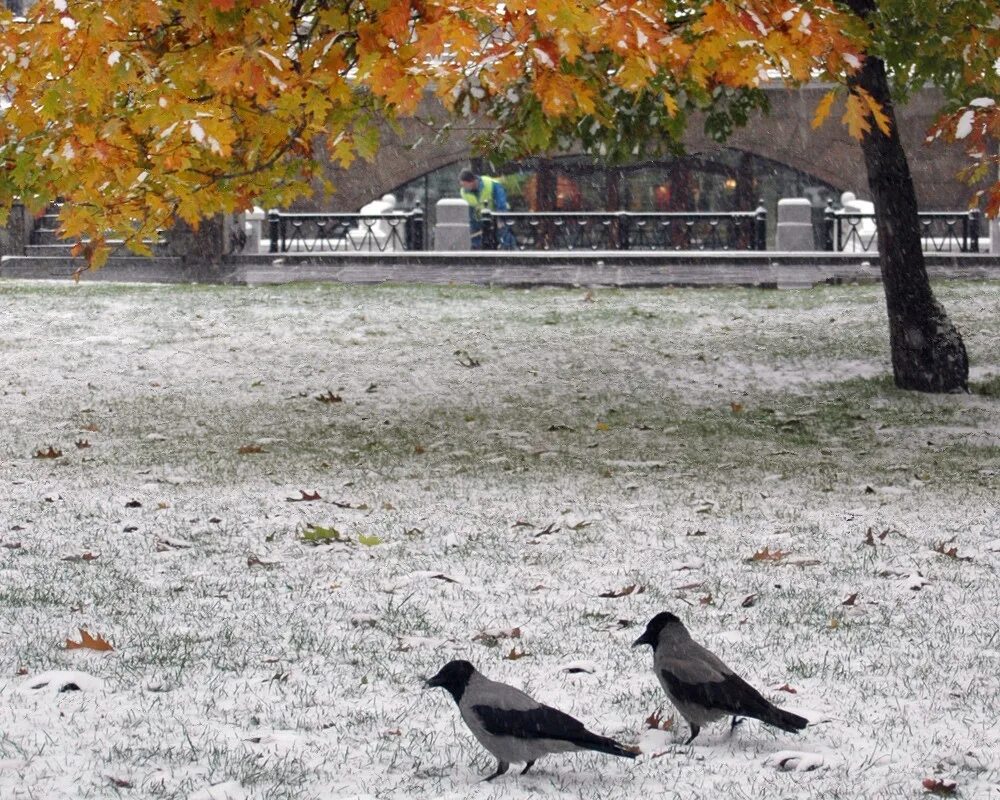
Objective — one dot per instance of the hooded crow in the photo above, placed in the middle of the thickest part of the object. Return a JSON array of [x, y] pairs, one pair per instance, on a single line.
[[513, 726], [700, 685]]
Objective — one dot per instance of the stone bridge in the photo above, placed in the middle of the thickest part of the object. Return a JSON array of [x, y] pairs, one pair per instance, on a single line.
[[785, 135]]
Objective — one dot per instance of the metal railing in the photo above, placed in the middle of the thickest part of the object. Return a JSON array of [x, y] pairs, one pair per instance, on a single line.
[[330, 233], [940, 231], [625, 230]]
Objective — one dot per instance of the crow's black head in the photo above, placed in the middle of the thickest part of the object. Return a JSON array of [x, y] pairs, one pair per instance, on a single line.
[[454, 677], [652, 633]]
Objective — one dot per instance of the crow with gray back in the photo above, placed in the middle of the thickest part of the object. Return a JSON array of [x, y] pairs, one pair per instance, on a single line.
[[700, 685], [513, 726]]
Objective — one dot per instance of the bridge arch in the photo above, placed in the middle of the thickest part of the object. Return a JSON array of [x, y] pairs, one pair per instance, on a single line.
[[784, 138]]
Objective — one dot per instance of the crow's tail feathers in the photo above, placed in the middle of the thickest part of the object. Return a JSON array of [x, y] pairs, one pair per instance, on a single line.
[[602, 744], [785, 720]]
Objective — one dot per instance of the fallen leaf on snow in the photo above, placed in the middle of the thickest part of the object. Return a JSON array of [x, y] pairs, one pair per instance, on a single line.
[[634, 588], [951, 552], [50, 453], [940, 786], [655, 720], [85, 557], [515, 654], [88, 642], [465, 360], [165, 543], [548, 530], [491, 638], [766, 554], [304, 497], [250, 449], [318, 534]]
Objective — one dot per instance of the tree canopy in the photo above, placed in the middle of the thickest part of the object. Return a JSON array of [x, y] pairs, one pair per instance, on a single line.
[[143, 111]]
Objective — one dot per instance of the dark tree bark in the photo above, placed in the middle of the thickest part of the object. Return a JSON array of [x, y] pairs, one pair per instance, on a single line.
[[928, 353]]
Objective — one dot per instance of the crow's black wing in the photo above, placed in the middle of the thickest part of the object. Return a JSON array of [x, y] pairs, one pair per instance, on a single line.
[[731, 694], [541, 722]]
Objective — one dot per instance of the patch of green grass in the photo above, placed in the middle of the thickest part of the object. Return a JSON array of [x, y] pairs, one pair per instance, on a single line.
[[987, 387]]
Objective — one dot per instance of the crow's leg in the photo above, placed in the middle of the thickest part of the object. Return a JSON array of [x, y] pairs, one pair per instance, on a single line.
[[695, 730], [502, 767], [527, 766]]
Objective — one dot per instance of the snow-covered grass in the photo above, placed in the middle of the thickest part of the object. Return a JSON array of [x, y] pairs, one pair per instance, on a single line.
[[497, 460]]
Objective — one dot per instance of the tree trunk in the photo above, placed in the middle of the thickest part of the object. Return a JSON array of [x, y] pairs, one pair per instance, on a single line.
[[928, 354]]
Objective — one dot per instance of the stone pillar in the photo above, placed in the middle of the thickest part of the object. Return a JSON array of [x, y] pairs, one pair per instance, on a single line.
[[451, 231], [256, 222], [795, 228]]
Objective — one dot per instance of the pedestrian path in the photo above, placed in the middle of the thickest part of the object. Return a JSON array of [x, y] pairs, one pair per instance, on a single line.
[[766, 270]]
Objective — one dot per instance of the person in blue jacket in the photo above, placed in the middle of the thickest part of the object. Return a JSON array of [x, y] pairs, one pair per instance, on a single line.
[[484, 193]]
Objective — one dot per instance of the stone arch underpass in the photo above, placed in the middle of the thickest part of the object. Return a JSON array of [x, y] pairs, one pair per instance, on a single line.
[[784, 136]]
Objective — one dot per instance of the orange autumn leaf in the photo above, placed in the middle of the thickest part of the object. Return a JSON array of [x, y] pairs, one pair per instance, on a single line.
[[88, 642], [765, 554]]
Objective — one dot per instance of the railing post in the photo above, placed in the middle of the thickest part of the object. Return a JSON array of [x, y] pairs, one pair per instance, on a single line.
[[760, 228], [415, 229], [828, 224], [624, 231], [273, 230], [489, 231], [973, 232]]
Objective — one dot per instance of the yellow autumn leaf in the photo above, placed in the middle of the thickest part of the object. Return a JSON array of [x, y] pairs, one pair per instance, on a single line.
[[823, 108], [877, 112], [671, 104], [856, 116]]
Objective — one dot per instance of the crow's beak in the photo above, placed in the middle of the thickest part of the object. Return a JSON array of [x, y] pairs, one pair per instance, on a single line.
[[432, 682], [644, 639]]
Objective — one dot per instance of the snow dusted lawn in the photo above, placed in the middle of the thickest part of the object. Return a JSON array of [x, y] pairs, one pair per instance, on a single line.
[[648, 439]]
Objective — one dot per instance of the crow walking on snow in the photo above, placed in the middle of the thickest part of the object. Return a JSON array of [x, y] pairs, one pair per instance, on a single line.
[[701, 685], [513, 726]]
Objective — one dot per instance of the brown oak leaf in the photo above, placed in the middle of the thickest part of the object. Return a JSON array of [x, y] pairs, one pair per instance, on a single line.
[[88, 642], [50, 453]]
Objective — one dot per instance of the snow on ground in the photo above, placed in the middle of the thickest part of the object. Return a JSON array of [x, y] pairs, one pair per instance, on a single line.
[[487, 465]]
